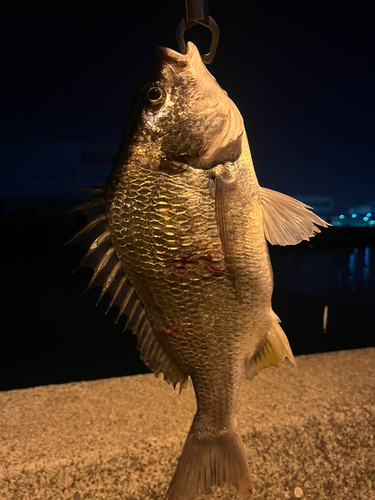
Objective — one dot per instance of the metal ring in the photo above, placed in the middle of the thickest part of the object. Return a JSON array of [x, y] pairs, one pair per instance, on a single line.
[[215, 32]]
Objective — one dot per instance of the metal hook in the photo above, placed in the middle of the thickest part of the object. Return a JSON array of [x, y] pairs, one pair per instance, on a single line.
[[197, 13], [196, 10]]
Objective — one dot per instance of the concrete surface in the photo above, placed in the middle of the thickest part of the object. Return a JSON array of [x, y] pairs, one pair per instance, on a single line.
[[309, 433]]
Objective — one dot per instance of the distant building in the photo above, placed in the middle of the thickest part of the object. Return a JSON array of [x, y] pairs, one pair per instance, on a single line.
[[362, 208], [46, 178], [361, 215]]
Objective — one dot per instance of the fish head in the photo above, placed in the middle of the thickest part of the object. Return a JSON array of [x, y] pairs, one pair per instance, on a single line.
[[188, 114]]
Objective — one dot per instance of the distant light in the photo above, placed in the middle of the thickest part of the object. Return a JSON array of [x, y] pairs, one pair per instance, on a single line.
[[342, 217], [365, 218], [354, 216], [369, 215]]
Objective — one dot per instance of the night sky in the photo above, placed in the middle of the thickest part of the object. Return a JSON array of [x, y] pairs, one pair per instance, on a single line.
[[301, 73]]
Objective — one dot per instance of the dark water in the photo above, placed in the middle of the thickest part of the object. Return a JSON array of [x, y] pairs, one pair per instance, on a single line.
[[52, 333], [308, 280]]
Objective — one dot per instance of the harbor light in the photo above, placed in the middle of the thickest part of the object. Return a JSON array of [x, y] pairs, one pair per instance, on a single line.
[[368, 215], [341, 216], [354, 216], [365, 219]]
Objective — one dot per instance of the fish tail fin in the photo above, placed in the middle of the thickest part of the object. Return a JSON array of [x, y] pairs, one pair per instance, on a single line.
[[210, 461]]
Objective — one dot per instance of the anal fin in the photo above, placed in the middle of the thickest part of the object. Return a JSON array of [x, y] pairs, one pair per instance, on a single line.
[[272, 352]]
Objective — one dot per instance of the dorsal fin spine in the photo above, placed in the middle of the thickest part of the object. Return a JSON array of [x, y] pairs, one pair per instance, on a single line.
[[125, 303], [119, 286], [100, 266], [95, 244], [110, 278], [139, 319], [136, 304], [141, 334], [89, 226], [89, 204]]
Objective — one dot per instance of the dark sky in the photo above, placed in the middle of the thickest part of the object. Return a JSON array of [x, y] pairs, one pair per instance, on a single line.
[[301, 73]]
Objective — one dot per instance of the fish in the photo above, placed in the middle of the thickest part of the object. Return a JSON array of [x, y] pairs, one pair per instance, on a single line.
[[177, 237]]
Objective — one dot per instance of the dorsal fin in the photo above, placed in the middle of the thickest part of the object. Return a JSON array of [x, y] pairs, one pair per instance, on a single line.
[[109, 274]]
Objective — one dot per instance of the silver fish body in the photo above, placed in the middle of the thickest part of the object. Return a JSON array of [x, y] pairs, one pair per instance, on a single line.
[[184, 256]]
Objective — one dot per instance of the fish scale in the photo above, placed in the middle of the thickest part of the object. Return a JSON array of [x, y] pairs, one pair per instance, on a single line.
[[170, 298], [180, 246]]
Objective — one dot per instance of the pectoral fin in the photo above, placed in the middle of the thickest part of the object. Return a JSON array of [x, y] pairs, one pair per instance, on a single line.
[[272, 352], [223, 192], [287, 221], [226, 192]]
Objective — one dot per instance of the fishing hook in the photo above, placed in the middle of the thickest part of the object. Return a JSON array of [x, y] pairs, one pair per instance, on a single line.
[[197, 13]]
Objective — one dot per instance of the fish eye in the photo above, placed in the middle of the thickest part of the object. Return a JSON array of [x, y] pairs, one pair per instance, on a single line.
[[156, 95]]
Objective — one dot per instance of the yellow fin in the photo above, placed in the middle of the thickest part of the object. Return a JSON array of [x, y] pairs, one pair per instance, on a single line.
[[271, 353]]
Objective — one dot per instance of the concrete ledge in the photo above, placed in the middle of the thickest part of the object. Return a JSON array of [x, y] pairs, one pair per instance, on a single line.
[[309, 433]]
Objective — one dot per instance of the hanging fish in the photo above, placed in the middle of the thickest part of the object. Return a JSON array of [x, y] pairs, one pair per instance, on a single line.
[[180, 246]]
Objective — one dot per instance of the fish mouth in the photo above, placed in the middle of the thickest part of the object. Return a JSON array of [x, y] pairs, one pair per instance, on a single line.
[[212, 129], [229, 153], [180, 62]]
